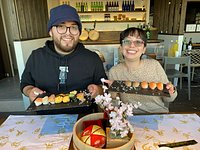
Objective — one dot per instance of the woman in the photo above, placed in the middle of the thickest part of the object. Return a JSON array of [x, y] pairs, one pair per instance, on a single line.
[[132, 46]]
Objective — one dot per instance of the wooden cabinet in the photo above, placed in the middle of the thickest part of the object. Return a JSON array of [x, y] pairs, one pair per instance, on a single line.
[[32, 18], [167, 16]]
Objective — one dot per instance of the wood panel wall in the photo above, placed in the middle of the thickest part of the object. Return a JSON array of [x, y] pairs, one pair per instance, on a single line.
[[167, 16], [32, 17], [6, 64]]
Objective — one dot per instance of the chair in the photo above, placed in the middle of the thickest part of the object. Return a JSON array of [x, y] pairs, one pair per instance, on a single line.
[[195, 59], [174, 73]]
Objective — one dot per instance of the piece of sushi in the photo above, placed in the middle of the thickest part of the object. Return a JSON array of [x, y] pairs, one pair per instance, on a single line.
[[73, 92], [45, 100], [66, 99], [58, 99], [128, 83], [136, 84], [51, 99], [160, 86], [38, 101], [152, 85], [80, 96], [144, 84]]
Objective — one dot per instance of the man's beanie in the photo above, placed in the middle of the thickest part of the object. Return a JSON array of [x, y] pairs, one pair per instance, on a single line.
[[63, 13]]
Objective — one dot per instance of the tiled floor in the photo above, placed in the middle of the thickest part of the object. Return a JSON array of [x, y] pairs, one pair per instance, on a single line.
[[182, 103], [11, 98]]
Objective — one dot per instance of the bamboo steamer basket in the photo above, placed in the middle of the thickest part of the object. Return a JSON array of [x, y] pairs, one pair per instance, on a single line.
[[78, 129]]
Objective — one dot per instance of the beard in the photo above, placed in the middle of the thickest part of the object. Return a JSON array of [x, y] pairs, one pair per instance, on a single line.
[[63, 47]]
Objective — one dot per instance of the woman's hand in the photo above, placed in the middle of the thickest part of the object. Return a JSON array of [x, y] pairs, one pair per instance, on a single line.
[[170, 88], [109, 82]]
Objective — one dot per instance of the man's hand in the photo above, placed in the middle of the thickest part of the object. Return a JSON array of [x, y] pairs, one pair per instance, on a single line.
[[95, 90], [32, 92]]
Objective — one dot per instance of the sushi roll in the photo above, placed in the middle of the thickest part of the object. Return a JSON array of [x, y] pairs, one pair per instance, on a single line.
[[45, 100], [51, 99], [38, 101]]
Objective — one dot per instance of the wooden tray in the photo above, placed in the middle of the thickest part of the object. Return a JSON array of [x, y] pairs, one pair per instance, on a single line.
[[120, 86], [70, 106]]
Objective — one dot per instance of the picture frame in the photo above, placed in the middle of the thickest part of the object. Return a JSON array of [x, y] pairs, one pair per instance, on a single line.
[[190, 28], [198, 28]]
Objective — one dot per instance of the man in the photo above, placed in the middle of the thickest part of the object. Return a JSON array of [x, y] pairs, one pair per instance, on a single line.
[[63, 64]]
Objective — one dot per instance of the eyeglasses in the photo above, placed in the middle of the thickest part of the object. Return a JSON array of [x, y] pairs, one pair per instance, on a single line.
[[127, 42], [62, 29]]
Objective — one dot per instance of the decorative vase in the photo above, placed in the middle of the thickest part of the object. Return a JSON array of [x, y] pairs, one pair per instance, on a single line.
[[112, 144]]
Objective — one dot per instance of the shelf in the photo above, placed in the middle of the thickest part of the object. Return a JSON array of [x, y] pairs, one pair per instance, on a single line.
[[114, 21], [112, 11]]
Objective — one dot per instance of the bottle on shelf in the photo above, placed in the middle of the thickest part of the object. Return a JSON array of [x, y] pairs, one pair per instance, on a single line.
[[126, 6], [106, 6], [123, 5], [132, 6], [117, 6], [82, 7], [101, 6], [184, 46], [112, 6], [190, 44], [86, 7], [76, 6], [91, 6]]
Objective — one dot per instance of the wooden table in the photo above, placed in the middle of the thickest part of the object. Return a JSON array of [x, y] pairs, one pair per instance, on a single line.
[[4, 116]]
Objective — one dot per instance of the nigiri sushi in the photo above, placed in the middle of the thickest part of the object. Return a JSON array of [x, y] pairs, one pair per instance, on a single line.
[[45, 100], [58, 99], [136, 84], [152, 85], [66, 99], [80, 96], [128, 83], [160, 86], [144, 84], [38, 101], [51, 99]]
